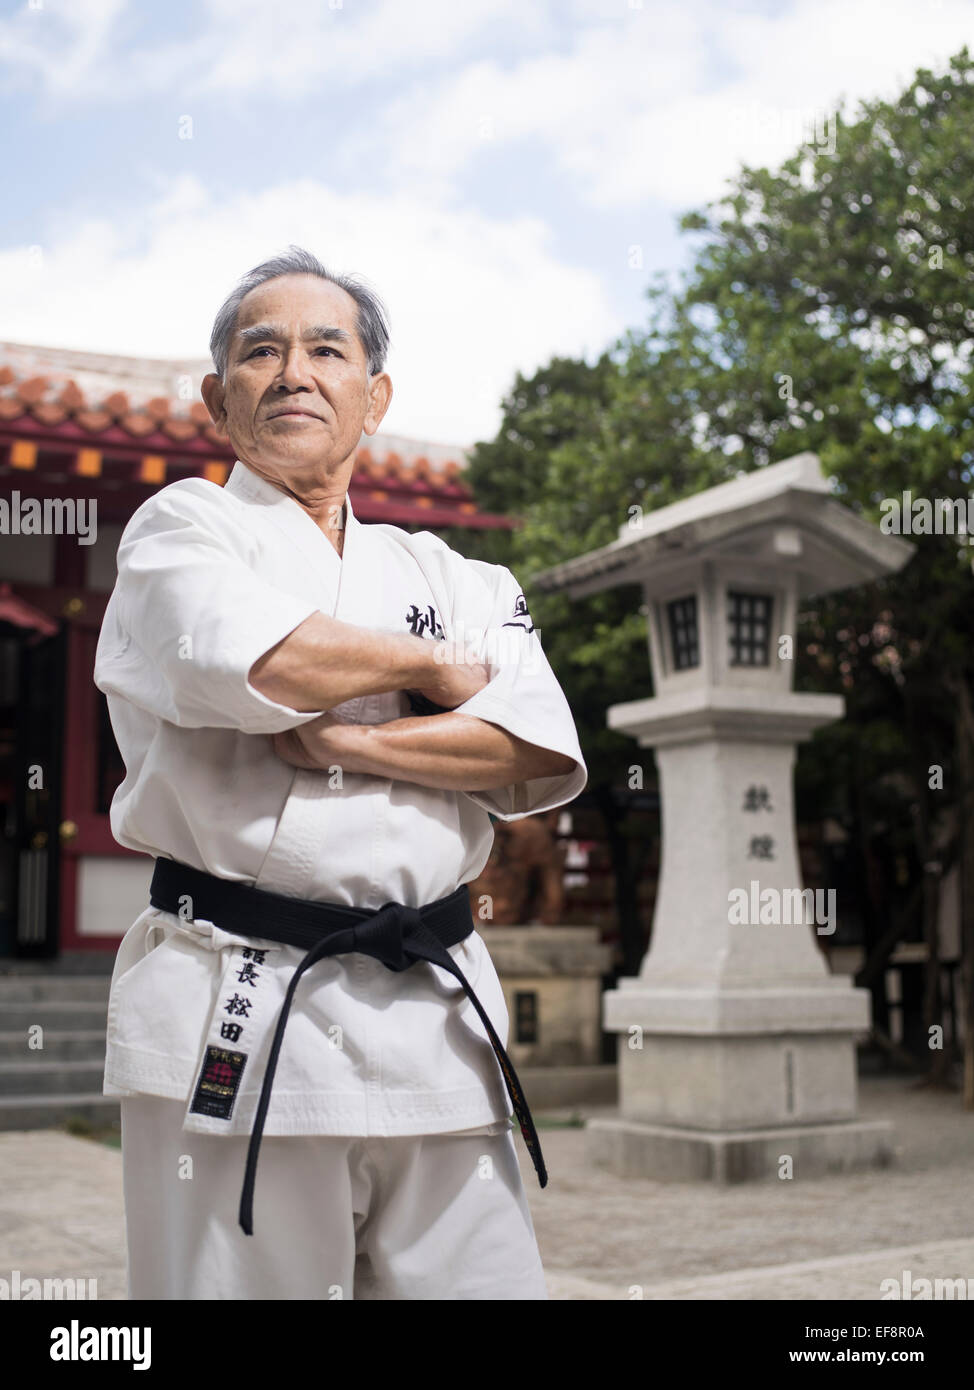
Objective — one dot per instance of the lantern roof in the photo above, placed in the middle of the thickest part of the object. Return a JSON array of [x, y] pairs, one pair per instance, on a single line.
[[782, 515]]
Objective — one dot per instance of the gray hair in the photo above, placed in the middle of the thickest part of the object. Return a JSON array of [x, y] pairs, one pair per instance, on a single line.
[[373, 318]]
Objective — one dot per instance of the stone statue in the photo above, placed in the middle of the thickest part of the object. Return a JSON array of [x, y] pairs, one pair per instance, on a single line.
[[523, 876]]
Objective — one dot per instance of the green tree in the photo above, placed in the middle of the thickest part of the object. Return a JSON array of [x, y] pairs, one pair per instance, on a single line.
[[828, 309]]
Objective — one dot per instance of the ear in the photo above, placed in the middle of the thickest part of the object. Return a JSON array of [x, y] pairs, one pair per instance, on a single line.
[[380, 394], [213, 393]]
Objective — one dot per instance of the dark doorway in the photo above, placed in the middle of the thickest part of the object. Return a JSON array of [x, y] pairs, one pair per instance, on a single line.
[[31, 731]]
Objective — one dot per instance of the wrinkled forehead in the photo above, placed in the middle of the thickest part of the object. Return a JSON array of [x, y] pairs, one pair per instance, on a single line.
[[301, 301]]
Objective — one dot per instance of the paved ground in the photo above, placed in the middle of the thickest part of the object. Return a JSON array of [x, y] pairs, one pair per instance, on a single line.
[[604, 1237], [61, 1212]]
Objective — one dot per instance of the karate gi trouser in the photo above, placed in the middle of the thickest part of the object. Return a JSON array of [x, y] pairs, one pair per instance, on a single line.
[[436, 1216]]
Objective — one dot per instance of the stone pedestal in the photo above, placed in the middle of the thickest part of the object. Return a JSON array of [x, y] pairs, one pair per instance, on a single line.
[[552, 981], [560, 971], [736, 1046], [632, 1150]]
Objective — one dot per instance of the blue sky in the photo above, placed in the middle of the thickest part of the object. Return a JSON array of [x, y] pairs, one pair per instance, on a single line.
[[488, 164]]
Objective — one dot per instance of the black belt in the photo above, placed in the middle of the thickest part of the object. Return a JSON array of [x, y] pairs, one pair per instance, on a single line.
[[397, 935]]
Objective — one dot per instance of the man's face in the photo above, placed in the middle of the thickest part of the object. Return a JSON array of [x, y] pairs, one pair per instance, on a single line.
[[297, 394]]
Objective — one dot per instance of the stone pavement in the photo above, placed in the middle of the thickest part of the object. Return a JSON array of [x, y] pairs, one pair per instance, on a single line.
[[61, 1213], [604, 1237]]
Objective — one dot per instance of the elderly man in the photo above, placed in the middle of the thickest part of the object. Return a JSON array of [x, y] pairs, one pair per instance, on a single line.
[[318, 720]]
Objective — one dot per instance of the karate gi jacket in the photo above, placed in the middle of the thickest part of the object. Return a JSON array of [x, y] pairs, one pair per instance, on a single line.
[[209, 579]]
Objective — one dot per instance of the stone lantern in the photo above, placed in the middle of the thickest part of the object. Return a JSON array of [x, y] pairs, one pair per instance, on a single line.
[[737, 1046]]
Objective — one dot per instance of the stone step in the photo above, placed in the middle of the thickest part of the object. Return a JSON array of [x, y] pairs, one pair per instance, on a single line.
[[54, 1015], [67, 989], [47, 1112], [83, 1045], [30, 1077], [67, 963]]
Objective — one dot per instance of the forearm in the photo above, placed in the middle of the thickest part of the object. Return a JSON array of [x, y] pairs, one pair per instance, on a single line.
[[450, 752], [324, 662]]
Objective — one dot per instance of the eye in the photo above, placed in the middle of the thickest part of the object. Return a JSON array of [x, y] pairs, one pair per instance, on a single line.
[[255, 352]]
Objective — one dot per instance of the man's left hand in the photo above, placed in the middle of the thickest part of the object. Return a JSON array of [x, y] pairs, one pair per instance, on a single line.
[[453, 752], [322, 743]]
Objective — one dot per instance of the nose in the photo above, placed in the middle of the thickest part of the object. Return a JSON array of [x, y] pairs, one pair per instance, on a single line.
[[295, 373]]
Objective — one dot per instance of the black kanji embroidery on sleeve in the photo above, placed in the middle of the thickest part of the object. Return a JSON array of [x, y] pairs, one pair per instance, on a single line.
[[522, 618]]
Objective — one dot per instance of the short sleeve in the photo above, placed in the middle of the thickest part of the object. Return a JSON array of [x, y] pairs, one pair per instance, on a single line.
[[188, 617], [523, 695]]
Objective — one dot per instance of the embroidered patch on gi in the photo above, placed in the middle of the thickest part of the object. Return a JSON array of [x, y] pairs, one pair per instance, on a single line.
[[219, 1082]]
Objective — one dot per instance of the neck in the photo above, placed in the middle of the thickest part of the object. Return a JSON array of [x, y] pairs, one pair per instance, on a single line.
[[323, 498]]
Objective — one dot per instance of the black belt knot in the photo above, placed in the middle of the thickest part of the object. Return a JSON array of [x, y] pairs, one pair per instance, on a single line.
[[397, 935], [393, 936]]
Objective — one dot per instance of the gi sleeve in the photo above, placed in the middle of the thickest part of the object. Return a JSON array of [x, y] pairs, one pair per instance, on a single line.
[[189, 617], [523, 695]]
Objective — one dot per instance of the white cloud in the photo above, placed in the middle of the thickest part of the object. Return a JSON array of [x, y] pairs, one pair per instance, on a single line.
[[91, 49], [471, 299], [289, 48], [629, 104], [633, 110], [59, 47]]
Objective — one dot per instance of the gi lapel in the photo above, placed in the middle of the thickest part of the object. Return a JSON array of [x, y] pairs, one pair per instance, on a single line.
[[294, 850], [303, 535]]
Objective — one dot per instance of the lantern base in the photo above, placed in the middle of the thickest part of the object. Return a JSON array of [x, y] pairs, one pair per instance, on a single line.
[[632, 1149]]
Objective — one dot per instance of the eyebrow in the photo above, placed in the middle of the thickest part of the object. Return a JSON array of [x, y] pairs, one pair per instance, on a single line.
[[276, 332]]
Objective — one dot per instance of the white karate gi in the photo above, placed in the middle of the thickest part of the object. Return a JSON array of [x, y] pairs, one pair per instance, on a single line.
[[209, 579]]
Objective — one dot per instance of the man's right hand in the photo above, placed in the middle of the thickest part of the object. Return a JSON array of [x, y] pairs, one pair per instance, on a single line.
[[457, 674], [325, 662]]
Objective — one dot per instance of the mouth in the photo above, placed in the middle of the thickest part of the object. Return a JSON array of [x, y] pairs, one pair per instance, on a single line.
[[294, 414]]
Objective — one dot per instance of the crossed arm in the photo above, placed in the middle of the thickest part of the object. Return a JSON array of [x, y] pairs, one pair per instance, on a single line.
[[324, 662]]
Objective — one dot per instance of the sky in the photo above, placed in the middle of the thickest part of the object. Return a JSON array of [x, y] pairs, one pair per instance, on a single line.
[[507, 174]]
